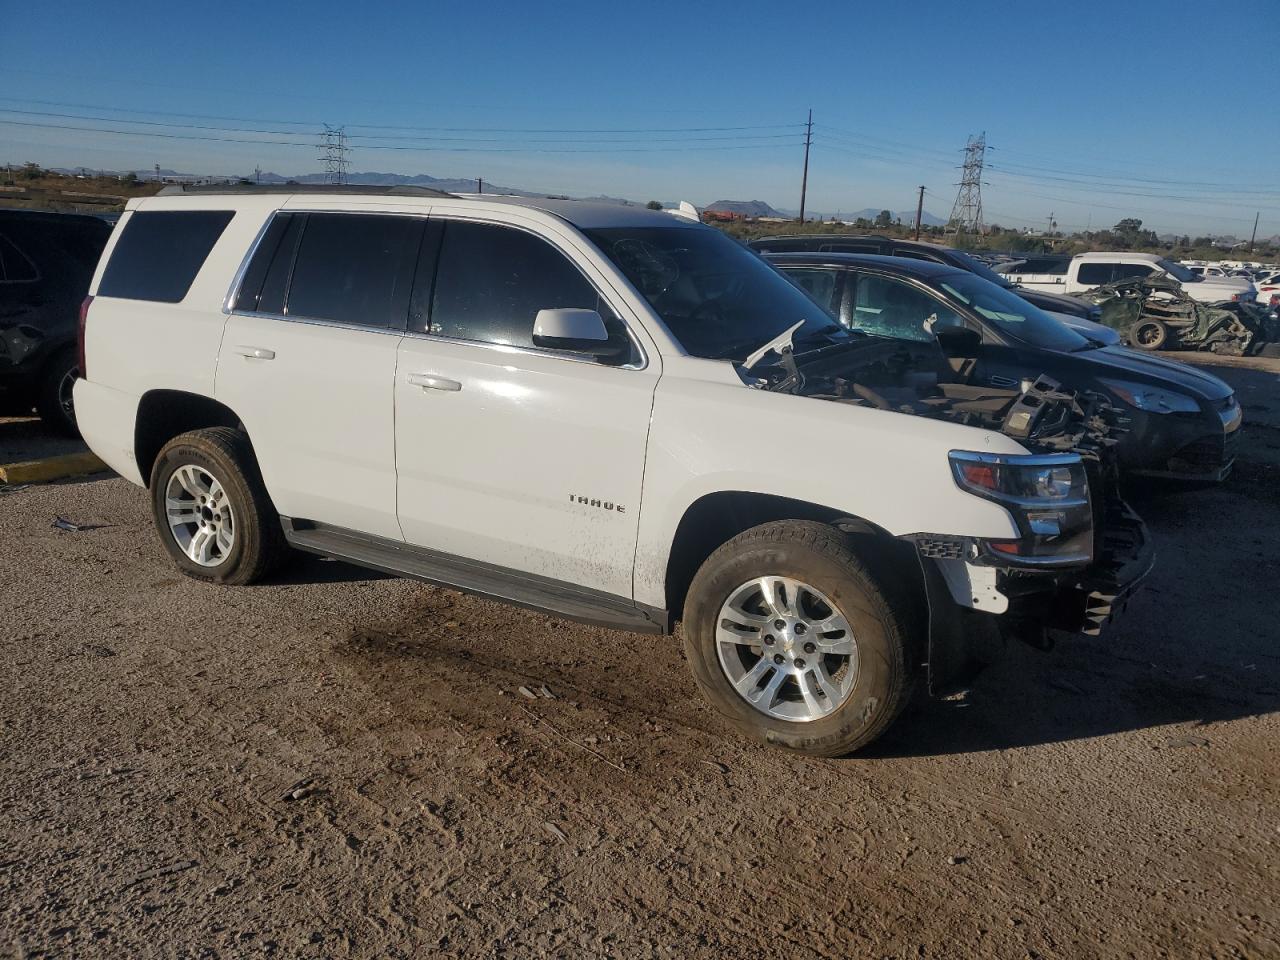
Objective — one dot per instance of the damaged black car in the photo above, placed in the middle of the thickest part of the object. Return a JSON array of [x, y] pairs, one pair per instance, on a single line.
[[1181, 422]]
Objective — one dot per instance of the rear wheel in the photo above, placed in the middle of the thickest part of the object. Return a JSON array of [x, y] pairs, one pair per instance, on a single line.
[[790, 636], [211, 509], [1150, 334], [54, 402]]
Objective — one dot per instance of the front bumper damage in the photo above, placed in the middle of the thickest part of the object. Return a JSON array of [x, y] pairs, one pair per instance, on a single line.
[[976, 606]]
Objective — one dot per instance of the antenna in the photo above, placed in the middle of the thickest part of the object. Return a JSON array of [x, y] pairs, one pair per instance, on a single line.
[[966, 215], [333, 141]]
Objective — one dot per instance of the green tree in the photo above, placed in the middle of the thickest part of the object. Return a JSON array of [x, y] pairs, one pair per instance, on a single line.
[[31, 171], [884, 218], [654, 205]]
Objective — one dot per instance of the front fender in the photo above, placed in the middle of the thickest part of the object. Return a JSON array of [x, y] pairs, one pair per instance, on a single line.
[[887, 468]]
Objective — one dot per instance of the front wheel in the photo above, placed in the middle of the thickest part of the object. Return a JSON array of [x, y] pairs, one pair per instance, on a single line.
[[791, 637], [212, 510]]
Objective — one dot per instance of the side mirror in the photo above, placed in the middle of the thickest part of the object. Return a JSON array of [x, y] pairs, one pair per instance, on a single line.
[[958, 341], [576, 330]]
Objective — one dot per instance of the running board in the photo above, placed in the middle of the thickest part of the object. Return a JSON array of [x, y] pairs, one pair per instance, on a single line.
[[472, 576]]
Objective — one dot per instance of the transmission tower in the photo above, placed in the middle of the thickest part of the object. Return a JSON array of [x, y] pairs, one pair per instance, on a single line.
[[333, 143], [966, 215]]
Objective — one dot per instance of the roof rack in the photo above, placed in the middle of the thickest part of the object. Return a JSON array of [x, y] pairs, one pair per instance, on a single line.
[[400, 190]]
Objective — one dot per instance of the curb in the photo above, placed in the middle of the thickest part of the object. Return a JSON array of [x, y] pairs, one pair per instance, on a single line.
[[51, 468]]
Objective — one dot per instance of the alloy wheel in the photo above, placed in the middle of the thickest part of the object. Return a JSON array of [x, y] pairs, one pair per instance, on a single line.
[[786, 649], [200, 517]]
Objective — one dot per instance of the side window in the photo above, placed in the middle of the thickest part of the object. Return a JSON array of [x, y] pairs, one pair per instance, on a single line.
[[1095, 273], [890, 308], [15, 266], [820, 283], [1124, 271], [491, 281], [249, 296], [355, 268], [159, 254]]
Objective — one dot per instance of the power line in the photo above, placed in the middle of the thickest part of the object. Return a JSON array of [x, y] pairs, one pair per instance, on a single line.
[[414, 149]]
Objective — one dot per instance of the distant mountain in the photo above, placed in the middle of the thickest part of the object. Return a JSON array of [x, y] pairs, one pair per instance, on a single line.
[[745, 208]]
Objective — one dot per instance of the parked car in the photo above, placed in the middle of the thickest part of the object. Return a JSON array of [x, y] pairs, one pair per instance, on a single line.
[[46, 261], [1076, 314], [1183, 422], [577, 407], [1087, 271]]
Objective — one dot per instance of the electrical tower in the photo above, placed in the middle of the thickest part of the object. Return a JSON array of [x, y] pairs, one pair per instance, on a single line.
[[333, 143], [966, 215]]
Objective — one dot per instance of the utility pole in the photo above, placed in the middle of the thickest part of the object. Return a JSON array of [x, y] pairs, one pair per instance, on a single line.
[[804, 179], [919, 210], [479, 184], [1052, 222], [257, 174], [1254, 235]]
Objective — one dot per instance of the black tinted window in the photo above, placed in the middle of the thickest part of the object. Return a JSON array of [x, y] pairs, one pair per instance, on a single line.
[[1125, 270], [355, 268], [1094, 273], [865, 247], [159, 254], [15, 266], [492, 281], [247, 297]]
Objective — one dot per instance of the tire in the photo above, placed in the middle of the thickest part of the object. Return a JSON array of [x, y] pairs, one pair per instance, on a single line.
[[240, 538], [53, 396], [819, 559], [1150, 335]]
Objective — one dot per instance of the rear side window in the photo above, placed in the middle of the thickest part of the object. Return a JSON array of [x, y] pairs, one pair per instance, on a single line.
[[491, 282], [15, 266], [159, 254], [1094, 273], [355, 268], [890, 308], [820, 283]]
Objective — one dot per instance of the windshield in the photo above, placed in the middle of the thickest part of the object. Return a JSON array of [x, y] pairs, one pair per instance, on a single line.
[[716, 297], [1176, 270], [1010, 314]]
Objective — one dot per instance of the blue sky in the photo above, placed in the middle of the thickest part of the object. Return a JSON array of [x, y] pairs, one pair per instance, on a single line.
[[1094, 111]]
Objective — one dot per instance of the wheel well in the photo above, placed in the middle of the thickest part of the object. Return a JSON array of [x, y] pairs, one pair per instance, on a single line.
[[164, 414], [719, 517]]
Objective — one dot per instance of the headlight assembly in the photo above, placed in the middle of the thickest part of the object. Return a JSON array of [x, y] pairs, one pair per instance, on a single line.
[[1048, 498], [1152, 399]]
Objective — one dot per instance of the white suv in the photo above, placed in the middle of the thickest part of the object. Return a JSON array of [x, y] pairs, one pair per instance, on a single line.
[[599, 411]]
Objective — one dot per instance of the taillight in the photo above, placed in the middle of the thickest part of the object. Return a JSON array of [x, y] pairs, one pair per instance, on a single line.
[[84, 317], [1275, 300]]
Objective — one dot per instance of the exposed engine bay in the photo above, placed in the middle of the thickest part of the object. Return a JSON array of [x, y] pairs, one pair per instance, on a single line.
[[917, 378]]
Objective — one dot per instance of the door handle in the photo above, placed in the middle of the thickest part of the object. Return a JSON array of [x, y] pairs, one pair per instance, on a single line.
[[1004, 382], [256, 353], [428, 381]]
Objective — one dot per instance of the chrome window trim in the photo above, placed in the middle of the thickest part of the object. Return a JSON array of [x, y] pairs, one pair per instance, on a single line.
[[238, 278]]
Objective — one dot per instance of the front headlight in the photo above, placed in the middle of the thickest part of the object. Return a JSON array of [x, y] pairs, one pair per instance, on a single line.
[[1046, 495], [1151, 399]]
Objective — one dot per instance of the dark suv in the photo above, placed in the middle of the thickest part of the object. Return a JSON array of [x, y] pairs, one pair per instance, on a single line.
[[46, 263]]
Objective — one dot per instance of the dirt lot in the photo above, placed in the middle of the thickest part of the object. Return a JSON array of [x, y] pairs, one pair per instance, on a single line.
[[340, 764]]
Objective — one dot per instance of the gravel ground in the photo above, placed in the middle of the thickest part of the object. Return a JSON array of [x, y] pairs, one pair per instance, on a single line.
[[340, 764]]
